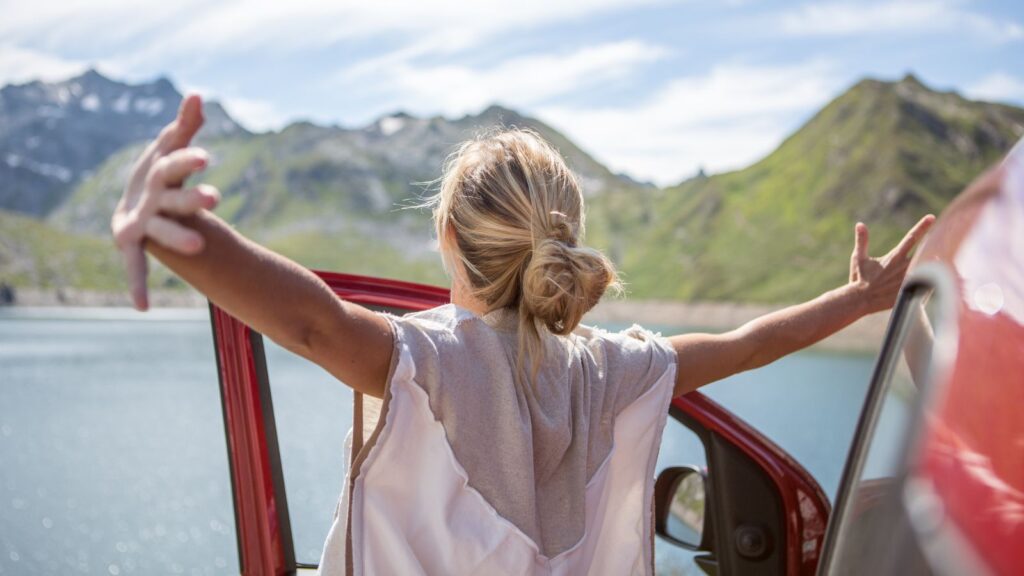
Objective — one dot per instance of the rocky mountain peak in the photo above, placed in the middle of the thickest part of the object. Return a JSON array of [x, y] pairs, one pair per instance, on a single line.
[[52, 134], [910, 80]]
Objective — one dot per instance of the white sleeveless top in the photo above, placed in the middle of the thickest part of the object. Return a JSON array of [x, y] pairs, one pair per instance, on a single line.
[[467, 470]]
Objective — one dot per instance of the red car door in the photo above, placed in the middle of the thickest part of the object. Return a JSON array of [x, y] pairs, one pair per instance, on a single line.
[[765, 511]]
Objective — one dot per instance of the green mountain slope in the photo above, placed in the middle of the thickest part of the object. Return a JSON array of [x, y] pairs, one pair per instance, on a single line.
[[781, 230], [35, 254], [38, 255]]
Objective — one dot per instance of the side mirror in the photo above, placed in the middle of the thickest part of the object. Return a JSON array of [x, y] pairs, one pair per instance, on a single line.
[[679, 507]]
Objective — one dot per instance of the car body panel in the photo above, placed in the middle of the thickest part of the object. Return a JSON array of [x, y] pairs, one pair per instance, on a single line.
[[955, 504], [971, 454]]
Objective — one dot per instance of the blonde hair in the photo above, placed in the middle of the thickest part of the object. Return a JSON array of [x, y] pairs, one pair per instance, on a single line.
[[514, 212]]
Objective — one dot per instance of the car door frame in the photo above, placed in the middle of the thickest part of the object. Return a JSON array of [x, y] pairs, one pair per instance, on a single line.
[[936, 278], [806, 507]]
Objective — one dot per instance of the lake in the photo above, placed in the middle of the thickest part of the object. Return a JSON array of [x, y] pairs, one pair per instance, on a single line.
[[113, 459]]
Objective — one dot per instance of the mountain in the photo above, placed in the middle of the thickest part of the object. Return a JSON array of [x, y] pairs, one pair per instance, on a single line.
[[295, 175], [334, 197], [885, 153], [53, 134]]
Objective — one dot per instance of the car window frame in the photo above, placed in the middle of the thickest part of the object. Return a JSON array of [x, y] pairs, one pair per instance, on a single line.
[[937, 278]]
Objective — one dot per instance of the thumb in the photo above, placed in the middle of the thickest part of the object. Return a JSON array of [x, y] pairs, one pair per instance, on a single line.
[[860, 241]]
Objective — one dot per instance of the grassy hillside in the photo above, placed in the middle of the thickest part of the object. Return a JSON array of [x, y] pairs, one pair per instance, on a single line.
[[37, 255], [34, 254], [780, 230]]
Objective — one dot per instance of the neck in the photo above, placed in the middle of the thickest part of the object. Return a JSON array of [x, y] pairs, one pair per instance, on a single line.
[[463, 297]]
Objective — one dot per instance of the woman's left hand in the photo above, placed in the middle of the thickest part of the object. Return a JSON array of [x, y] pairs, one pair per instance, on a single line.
[[879, 279]]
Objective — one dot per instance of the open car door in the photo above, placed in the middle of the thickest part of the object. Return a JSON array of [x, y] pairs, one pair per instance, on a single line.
[[748, 508], [263, 524], [764, 513]]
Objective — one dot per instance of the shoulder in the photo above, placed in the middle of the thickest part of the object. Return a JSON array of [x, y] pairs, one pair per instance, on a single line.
[[627, 342], [444, 318], [632, 361], [447, 327]]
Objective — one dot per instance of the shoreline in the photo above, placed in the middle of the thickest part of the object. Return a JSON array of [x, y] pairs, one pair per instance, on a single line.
[[72, 297], [863, 336]]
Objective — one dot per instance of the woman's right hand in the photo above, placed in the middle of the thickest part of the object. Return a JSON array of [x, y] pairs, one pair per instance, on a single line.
[[153, 197]]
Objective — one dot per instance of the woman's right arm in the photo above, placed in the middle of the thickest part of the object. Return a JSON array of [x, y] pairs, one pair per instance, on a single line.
[[272, 294]]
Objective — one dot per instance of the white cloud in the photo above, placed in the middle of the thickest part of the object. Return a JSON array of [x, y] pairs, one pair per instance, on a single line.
[[911, 16], [243, 23], [721, 120], [522, 81], [18, 65], [999, 87], [254, 114], [78, 26], [158, 31]]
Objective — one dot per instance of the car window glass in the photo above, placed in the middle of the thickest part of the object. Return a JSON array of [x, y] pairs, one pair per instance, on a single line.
[[872, 505], [313, 414]]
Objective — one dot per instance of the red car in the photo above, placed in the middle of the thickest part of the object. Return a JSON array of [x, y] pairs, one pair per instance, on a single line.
[[950, 502]]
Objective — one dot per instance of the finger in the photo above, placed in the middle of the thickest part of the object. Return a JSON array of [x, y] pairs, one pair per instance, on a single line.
[[136, 266], [174, 236], [127, 231], [902, 250], [185, 202], [175, 135], [141, 167], [171, 170], [860, 241], [179, 133]]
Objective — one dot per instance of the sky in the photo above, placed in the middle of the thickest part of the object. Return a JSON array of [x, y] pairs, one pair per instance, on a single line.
[[657, 89]]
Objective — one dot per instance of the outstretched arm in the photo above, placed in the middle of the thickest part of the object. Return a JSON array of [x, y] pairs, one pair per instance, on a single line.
[[267, 291], [873, 286]]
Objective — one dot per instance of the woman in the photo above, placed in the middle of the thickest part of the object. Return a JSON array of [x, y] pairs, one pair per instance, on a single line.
[[524, 442]]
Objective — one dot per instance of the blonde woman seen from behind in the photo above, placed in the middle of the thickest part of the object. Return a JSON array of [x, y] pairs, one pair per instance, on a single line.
[[532, 438]]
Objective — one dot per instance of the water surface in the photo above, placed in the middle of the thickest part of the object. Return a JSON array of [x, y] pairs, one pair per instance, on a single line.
[[113, 460]]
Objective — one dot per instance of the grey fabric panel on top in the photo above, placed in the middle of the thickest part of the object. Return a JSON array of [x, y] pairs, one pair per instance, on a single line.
[[529, 448]]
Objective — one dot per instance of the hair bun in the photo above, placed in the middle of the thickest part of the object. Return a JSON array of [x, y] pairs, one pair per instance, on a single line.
[[562, 282]]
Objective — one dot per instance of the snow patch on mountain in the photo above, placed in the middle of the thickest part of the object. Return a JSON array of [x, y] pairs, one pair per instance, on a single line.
[[61, 173], [123, 103], [149, 106], [91, 103], [391, 124]]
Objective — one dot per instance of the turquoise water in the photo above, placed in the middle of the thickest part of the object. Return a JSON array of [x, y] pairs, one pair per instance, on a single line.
[[113, 461]]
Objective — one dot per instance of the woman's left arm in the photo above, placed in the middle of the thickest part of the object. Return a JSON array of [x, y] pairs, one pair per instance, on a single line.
[[873, 286]]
